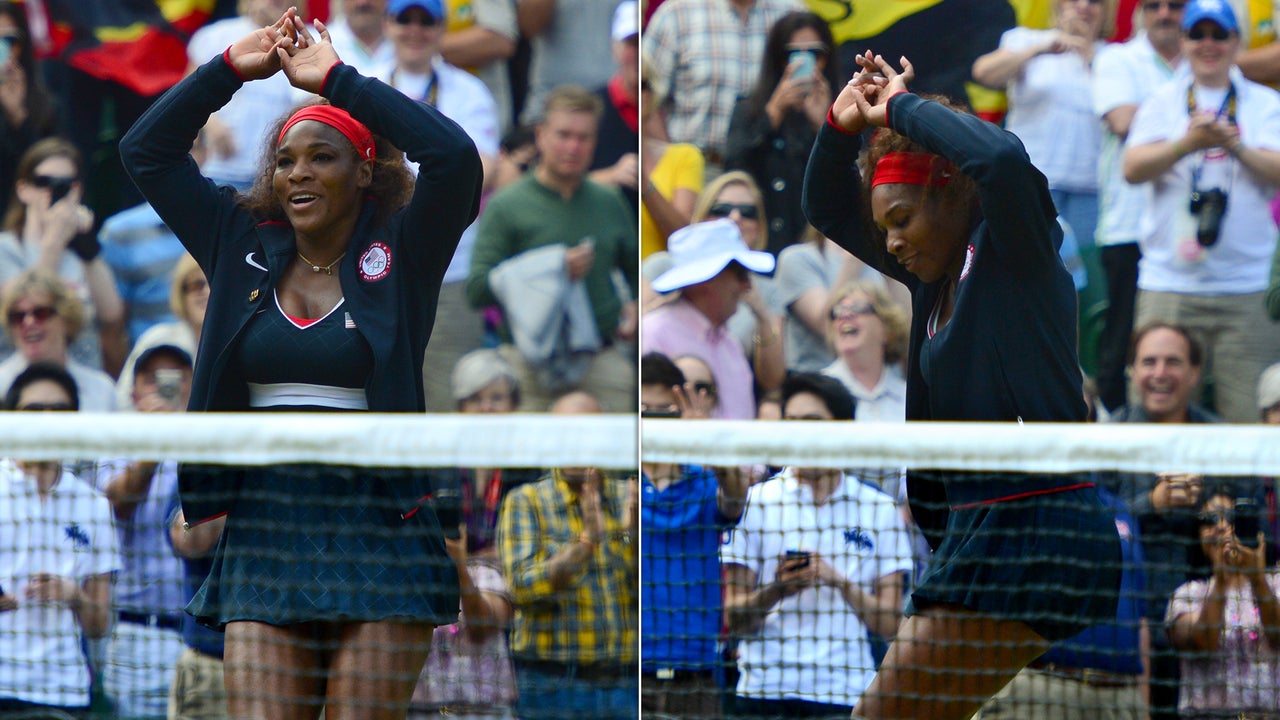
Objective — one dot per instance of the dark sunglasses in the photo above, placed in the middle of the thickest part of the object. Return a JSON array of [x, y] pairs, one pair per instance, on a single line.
[[424, 19], [1199, 33], [817, 51], [11, 40], [702, 386], [41, 314], [1155, 6], [47, 407], [1221, 516], [724, 209], [841, 311], [670, 411], [51, 181]]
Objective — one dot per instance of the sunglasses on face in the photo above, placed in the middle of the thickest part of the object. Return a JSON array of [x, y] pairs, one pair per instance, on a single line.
[[46, 407], [1155, 6], [1216, 33], [670, 411], [843, 311], [424, 19], [11, 40], [1217, 516], [45, 182], [41, 314], [818, 51], [746, 211], [702, 386]]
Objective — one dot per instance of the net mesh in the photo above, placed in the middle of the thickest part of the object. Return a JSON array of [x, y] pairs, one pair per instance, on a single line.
[[330, 520], [1028, 541]]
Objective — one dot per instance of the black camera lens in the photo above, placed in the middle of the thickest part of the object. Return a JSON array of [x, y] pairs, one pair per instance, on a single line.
[[1209, 207]]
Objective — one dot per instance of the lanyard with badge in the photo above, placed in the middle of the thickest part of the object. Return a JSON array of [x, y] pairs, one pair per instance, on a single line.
[[1209, 206]]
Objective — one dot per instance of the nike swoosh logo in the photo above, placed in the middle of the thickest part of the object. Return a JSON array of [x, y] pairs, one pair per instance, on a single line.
[[249, 259]]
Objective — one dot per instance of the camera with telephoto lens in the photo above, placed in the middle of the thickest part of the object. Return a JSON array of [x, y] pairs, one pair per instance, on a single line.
[[1208, 207]]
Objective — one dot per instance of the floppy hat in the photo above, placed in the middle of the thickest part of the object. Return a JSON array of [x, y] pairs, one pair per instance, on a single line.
[[434, 8], [626, 20], [1217, 11], [701, 250]]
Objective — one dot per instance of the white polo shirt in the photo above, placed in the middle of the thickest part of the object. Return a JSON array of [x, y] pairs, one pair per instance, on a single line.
[[71, 535], [813, 646]]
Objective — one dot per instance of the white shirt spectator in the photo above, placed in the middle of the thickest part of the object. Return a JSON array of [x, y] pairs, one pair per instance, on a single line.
[[70, 535], [813, 646]]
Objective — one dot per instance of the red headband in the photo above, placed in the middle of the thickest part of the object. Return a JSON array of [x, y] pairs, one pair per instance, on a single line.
[[913, 168], [339, 119]]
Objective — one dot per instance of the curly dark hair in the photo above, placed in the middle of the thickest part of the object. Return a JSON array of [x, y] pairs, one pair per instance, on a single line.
[[392, 183], [960, 192]]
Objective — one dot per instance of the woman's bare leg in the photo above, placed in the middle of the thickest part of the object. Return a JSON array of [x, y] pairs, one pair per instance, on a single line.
[[945, 663], [272, 672], [374, 669]]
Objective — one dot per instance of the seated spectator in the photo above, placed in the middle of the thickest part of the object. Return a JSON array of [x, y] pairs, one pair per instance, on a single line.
[[816, 562], [47, 228], [683, 511], [147, 638], [867, 331], [1269, 395], [712, 267], [756, 322], [43, 318], [575, 402], [808, 274], [188, 299], [483, 383], [28, 111], [773, 127], [1226, 627], [469, 671], [704, 395], [57, 558]]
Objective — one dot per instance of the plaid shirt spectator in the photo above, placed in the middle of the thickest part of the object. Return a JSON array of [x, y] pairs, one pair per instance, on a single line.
[[708, 54], [593, 618]]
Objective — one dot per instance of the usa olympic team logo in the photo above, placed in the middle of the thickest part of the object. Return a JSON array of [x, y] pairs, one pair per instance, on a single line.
[[375, 263]]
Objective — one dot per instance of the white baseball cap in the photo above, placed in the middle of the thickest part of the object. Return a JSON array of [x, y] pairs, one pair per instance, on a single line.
[[1269, 387], [626, 20], [702, 250]]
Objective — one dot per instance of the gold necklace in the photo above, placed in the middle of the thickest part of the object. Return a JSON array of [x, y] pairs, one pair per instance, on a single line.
[[315, 267]]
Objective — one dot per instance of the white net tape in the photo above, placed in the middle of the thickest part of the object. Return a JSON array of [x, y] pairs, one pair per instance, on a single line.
[[363, 439], [1035, 447]]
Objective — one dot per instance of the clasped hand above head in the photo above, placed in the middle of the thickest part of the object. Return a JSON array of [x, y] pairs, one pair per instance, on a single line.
[[286, 45], [864, 101]]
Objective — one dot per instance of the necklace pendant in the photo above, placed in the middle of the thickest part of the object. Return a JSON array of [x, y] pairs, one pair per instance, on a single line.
[[315, 268]]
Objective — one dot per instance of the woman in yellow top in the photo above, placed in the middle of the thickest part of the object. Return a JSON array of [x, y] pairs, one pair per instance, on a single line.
[[671, 174]]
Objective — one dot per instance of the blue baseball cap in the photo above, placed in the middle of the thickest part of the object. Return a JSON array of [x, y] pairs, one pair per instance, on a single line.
[[1216, 11], [434, 8]]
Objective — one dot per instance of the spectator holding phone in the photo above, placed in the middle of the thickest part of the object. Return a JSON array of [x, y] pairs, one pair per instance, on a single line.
[[772, 129], [47, 227], [816, 562], [1226, 627]]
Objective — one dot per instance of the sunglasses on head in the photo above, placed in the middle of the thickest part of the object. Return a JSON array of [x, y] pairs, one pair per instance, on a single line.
[[1200, 33], [46, 407], [841, 311], [41, 314], [425, 19], [1218, 516], [724, 209], [1155, 6]]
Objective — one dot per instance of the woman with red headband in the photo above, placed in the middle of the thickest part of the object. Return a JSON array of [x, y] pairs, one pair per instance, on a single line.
[[952, 207], [323, 281]]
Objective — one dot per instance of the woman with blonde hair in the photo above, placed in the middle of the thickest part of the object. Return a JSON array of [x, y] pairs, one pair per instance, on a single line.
[[44, 318], [868, 332]]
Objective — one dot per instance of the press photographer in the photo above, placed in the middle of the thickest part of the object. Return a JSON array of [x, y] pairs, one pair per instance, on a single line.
[[1209, 144]]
